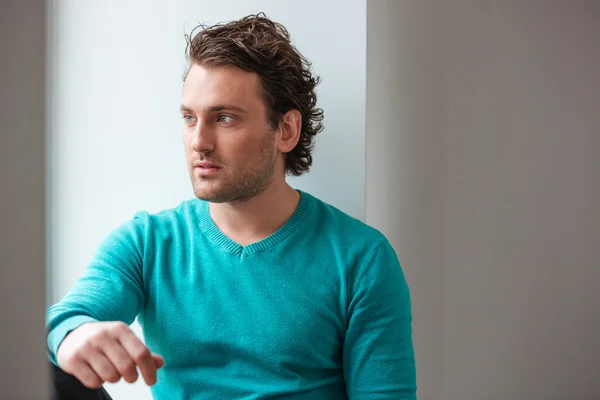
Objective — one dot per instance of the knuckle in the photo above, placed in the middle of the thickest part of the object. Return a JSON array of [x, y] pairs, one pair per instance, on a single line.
[[74, 358], [107, 373], [141, 354], [120, 327], [68, 359], [128, 367], [130, 377], [85, 348], [101, 335], [92, 382]]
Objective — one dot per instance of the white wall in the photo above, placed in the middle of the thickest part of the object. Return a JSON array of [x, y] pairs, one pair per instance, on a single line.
[[23, 362], [115, 129]]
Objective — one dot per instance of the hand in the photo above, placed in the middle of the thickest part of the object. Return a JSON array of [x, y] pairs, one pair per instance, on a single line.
[[99, 352]]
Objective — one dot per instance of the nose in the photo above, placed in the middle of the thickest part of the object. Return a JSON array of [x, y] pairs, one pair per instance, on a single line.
[[203, 138]]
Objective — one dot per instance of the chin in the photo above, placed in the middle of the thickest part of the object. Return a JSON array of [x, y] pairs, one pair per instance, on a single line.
[[210, 194], [204, 194]]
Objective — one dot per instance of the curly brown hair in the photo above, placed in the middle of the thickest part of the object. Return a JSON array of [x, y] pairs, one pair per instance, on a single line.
[[257, 44]]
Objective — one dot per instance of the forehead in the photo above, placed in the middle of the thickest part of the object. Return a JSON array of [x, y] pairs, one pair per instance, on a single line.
[[206, 87]]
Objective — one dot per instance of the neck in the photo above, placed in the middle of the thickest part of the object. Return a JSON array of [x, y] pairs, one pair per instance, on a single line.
[[257, 218]]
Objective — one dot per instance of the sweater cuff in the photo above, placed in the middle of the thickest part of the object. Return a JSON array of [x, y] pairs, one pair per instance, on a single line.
[[57, 335]]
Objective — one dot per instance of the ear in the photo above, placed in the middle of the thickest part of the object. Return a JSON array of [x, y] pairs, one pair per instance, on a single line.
[[289, 131]]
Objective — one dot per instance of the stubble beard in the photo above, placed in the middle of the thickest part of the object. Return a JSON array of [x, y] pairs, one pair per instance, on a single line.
[[242, 184]]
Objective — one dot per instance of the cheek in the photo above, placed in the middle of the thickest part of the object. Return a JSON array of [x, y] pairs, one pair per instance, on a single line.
[[237, 148]]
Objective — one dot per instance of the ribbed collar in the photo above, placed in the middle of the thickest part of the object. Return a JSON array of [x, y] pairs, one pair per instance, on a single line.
[[214, 233]]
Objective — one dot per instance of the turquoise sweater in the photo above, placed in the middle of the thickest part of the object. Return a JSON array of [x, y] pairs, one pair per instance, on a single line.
[[318, 310]]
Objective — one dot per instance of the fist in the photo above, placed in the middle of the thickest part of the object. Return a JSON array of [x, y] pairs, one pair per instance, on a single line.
[[99, 352]]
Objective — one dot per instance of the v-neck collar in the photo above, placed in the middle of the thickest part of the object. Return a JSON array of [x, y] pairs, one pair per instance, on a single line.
[[214, 233]]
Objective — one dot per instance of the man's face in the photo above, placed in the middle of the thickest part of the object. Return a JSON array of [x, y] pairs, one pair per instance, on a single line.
[[229, 144]]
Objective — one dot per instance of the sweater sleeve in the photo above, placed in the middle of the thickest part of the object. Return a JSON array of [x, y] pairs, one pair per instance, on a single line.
[[111, 289], [378, 354]]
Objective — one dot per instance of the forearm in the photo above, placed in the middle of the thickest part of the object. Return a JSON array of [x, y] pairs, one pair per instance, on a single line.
[[110, 290]]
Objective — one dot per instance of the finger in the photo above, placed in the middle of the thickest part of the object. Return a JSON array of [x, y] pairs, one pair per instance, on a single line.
[[121, 360], [158, 361], [102, 366], [86, 375], [141, 356]]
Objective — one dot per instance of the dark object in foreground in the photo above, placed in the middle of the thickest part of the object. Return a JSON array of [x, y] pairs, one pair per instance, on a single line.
[[67, 387]]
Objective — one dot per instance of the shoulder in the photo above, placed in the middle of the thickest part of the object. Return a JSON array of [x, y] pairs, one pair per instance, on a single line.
[[344, 232], [183, 210], [340, 225], [368, 258], [168, 219]]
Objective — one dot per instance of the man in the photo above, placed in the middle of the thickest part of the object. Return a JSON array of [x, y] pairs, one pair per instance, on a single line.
[[252, 289]]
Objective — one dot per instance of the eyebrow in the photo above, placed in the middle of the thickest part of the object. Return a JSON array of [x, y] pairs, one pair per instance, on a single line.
[[216, 108]]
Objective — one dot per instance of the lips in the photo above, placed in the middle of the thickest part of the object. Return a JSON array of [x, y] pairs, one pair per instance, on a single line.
[[206, 169], [206, 165]]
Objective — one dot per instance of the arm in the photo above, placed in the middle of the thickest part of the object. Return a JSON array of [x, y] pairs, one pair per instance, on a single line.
[[110, 290], [378, 354]]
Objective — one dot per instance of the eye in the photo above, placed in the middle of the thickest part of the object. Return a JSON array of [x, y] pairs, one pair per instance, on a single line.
[[225, 119], [188, 118]]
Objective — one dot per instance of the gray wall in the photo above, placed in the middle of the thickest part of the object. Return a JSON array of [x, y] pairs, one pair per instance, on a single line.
[[23, 374], [485, 173], [522, 173], [404, 162]]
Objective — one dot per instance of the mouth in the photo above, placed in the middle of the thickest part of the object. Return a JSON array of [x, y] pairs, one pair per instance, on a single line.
[[206, 168]]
